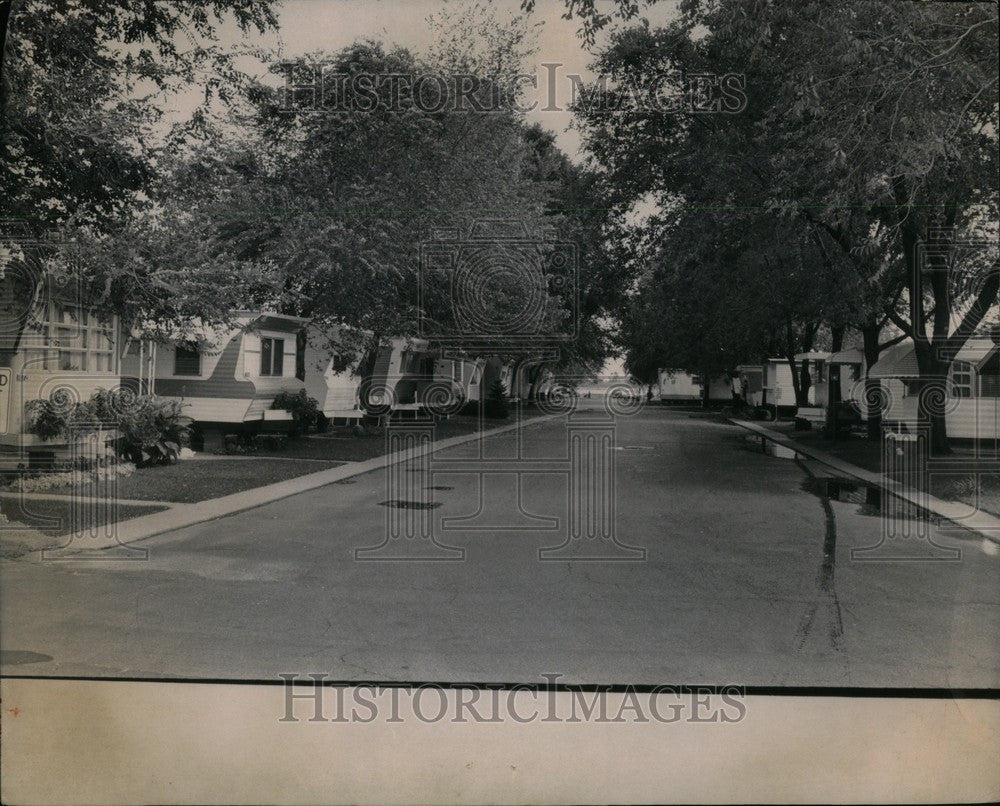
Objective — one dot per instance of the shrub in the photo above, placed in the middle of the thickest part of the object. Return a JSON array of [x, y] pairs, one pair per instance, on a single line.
[[304, 409], [154, 431], [497, 403], [44, 420], [150, 430]]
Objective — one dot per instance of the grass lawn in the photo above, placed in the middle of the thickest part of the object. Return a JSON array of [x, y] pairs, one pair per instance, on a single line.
[[856, 449], [53, 516], [859, 451], [347, 446], [196, 480], [200, 479]]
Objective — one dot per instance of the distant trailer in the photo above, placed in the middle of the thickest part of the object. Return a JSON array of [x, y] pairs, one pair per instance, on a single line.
[[767, 386], [678, 385], [330, 377], [818, 366], [464, 375], [400, 379], [779, 387]]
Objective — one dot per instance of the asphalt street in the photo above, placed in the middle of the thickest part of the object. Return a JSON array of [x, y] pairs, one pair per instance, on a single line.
[[731, 566]]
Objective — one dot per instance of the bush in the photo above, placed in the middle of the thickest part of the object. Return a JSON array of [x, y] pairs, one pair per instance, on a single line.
[[497, 403], [150, 430], [44, 420], [304, 409]]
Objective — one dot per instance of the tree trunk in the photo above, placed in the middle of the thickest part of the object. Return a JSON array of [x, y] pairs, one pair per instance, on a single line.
[[872, 395], [790, 357], [805, 384], [833, 383], [706, 382], [932, 396]]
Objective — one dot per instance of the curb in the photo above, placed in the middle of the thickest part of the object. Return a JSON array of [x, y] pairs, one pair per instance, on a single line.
[[181, 516], [982, 523]]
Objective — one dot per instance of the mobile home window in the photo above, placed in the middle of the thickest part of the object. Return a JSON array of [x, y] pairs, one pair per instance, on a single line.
[[961, 379], [187, 360], [71, 339], [989, 376], [341, 363], [272, 357]]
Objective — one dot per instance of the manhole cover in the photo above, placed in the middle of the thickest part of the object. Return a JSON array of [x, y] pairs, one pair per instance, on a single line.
[[395, 503]]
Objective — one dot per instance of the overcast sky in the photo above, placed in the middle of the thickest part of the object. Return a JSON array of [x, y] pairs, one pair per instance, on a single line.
[[311, 25]]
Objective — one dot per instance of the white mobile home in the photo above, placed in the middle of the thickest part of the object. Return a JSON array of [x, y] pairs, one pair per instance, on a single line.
[[465, 375], [63, 352], [972, 408], [330, 377], [403, 371], [779, 386], [817, 364], [769, 384], [227, 378], [678, 385]]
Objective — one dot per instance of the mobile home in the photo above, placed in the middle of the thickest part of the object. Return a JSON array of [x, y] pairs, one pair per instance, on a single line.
[[817, 364], [677, 385], [331, 377], [972, 408], [63, 352], [227, 378], [779, 386], [768, 385], [464, 374], [403, 372]]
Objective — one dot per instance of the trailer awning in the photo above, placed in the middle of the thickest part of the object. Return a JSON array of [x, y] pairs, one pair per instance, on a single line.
[[898, 361], [813, 356], [851, 356], [976, 351]]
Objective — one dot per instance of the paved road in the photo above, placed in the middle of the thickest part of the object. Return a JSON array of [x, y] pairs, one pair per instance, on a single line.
[[748, 579]]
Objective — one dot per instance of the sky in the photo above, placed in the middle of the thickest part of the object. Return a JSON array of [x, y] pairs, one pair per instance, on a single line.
[[310, 25]]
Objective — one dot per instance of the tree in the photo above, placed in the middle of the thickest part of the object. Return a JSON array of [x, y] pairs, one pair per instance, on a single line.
[[82, 88], [343, 203], [872, 123]]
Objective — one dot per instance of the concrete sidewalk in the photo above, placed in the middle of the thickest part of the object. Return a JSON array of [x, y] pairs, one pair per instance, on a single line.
[[983, 523], [180, 516]]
